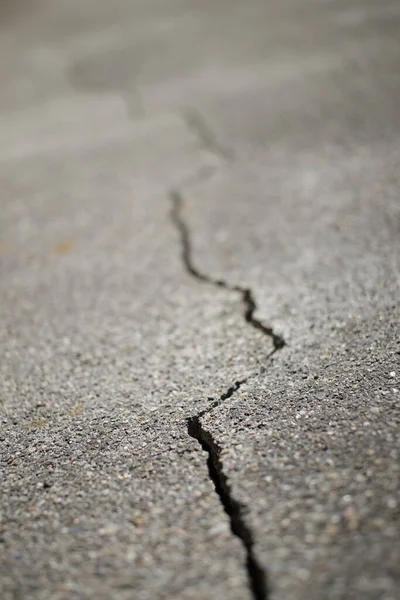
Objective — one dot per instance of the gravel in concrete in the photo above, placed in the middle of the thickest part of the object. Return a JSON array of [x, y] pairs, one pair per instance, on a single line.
[[275, 125]]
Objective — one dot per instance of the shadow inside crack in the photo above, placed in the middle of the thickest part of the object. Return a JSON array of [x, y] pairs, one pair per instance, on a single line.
[[256, 574]]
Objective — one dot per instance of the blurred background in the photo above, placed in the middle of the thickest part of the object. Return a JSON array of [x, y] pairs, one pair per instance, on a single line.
[[262, 74]]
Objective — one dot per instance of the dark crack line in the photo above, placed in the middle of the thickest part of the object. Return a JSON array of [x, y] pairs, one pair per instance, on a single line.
[[196, 122], [234, 510], [229, 392], [248, 301]]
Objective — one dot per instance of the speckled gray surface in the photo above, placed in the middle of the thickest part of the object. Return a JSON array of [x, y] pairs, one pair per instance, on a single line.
[[274, 129]]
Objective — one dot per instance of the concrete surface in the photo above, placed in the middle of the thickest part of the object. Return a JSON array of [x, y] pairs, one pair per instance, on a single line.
[[185, 186]]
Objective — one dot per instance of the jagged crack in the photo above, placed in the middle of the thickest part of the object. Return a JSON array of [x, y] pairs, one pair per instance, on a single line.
[[256, 574], [197, 123], [228, 394], [234, 510], [249, 303]]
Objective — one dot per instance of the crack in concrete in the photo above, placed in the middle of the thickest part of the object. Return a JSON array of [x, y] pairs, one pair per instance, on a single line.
[[249, 303], [256, 574], [196, 122], [234, 510]]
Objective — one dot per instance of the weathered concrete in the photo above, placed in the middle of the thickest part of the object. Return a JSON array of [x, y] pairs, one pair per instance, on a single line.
[[200, 254]]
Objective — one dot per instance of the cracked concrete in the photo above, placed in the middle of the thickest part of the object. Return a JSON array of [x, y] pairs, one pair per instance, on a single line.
[[247, 295], [206, 136], [256, 574], [158, 439]]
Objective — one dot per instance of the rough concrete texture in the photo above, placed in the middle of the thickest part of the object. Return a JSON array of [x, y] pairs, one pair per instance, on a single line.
[[199, 251]]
